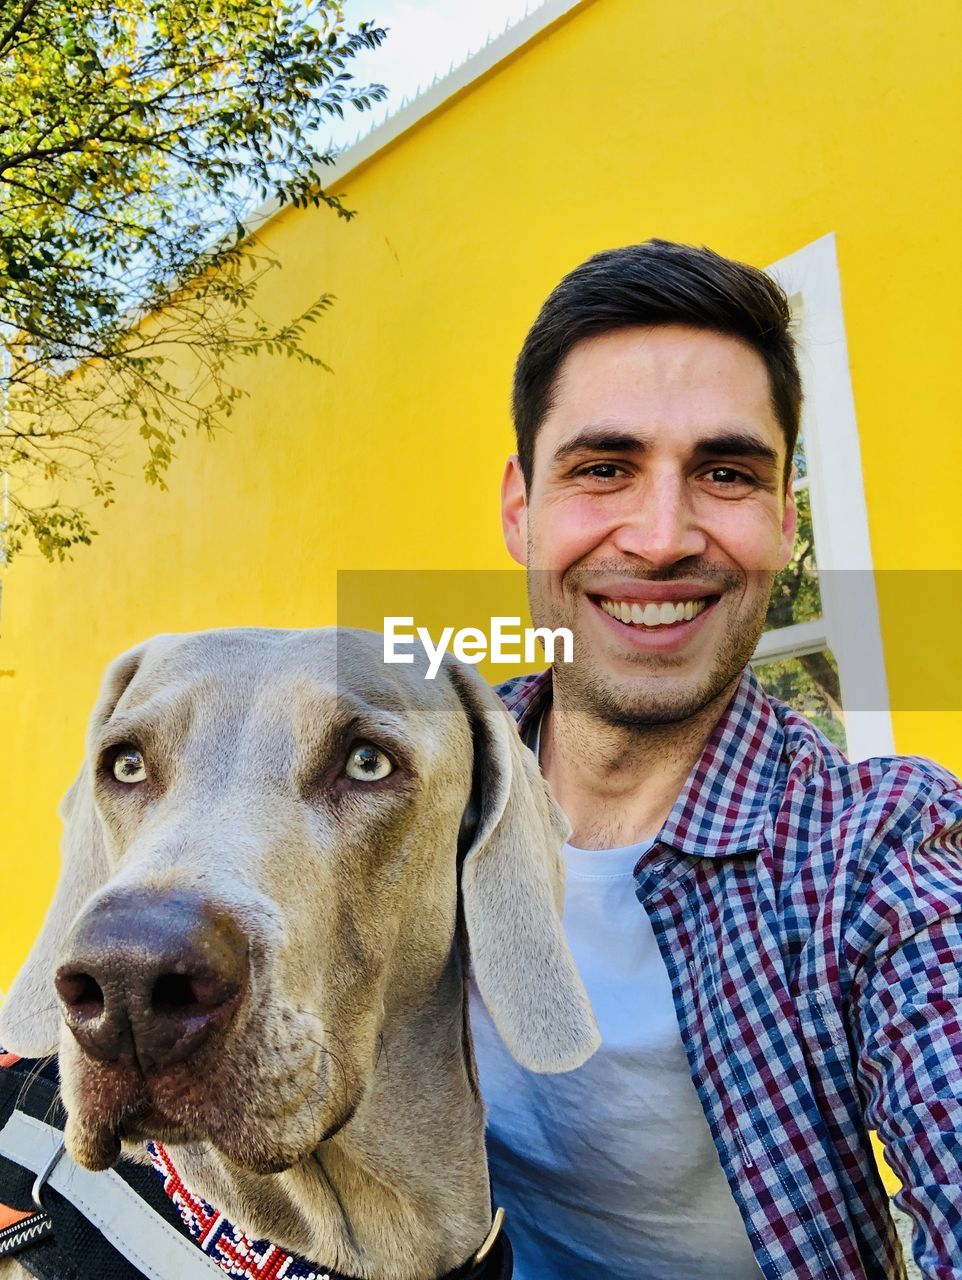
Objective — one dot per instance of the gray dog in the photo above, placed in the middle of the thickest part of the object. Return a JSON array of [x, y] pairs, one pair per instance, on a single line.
[[276, 859]]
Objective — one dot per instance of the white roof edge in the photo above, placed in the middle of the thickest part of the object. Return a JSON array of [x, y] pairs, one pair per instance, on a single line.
[[473, 68]]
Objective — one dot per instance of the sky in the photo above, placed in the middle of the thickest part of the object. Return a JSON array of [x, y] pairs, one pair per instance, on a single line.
[[425, 38]]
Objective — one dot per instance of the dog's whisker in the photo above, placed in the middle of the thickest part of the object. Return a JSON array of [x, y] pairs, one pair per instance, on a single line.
[[382, 1048], [34, 1075], [336, 1061]]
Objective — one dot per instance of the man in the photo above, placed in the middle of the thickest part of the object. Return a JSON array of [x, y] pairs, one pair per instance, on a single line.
[[771, 936]]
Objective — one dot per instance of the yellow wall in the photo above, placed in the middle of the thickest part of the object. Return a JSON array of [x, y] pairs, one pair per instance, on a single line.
[[749, 126]]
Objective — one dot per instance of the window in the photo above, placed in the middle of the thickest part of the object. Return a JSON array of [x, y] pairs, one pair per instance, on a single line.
[[822, 648]]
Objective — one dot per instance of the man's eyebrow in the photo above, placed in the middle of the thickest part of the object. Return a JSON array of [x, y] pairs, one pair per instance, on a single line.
[[606, 439], [600, 439], [737, 444]]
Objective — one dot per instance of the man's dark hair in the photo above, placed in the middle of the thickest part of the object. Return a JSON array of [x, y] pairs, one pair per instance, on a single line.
[[650, 284]]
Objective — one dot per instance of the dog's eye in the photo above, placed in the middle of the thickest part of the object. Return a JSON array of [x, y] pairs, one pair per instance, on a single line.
[[367, 763], [129, 765]]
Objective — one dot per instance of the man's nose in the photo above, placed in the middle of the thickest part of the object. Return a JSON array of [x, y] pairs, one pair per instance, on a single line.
[[661, 526]]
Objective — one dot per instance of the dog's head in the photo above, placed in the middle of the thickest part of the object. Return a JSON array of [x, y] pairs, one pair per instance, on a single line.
[[261, 869]]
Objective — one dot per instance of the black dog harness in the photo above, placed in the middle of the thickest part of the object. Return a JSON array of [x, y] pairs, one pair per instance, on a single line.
[[63, 1222]]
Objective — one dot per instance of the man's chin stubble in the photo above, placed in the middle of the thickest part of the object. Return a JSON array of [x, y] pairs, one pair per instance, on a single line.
[[641, 705], [638, 708]]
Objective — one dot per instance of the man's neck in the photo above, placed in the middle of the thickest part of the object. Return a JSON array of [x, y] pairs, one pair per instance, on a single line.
[[616, 783]]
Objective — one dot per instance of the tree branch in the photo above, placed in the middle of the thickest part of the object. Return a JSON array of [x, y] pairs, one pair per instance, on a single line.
[[7, 38]]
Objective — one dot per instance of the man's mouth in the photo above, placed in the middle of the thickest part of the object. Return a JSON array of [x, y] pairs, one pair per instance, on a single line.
[[653, 614]]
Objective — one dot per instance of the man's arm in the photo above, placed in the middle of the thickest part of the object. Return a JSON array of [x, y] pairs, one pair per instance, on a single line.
[[907, 1018]]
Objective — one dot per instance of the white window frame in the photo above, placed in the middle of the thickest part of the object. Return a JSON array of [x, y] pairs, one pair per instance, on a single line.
[[849, 625]]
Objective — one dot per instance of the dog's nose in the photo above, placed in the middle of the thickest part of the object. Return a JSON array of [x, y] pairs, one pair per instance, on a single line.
[[149, 977]]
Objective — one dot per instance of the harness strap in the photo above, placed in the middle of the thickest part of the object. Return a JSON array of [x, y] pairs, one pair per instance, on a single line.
[[156, 1248]]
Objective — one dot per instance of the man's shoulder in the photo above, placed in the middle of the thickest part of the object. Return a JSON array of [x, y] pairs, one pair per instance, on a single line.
[[889, 800], [874, 844], [813, 758]]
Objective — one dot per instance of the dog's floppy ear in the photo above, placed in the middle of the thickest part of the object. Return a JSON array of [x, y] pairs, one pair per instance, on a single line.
[[30, 1017], [512, 887]]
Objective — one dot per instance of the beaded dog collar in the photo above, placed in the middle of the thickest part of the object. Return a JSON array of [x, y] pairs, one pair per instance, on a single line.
[[235, 1253], [242, 1258]]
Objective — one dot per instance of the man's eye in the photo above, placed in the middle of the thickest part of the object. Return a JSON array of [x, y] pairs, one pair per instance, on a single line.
[[368, 763], [729, 476], [601, 471]]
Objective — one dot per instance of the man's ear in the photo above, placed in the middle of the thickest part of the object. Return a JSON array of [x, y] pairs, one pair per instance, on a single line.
[[514, 510], [789, 522], [30, 1015], [512, 888]]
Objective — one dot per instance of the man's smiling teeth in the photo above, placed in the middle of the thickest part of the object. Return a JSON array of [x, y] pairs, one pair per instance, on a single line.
[[662, 614]]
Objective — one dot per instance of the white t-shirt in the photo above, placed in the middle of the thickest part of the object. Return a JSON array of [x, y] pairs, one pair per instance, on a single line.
[[610, 1169]]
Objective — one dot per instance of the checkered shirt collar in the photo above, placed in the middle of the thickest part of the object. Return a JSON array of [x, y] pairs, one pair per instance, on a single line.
[[726, 805]]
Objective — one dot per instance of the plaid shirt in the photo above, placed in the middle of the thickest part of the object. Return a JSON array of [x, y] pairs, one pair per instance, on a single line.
[[809, 913]]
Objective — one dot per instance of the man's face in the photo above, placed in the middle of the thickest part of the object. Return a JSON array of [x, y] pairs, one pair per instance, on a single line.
[[656, 520]]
